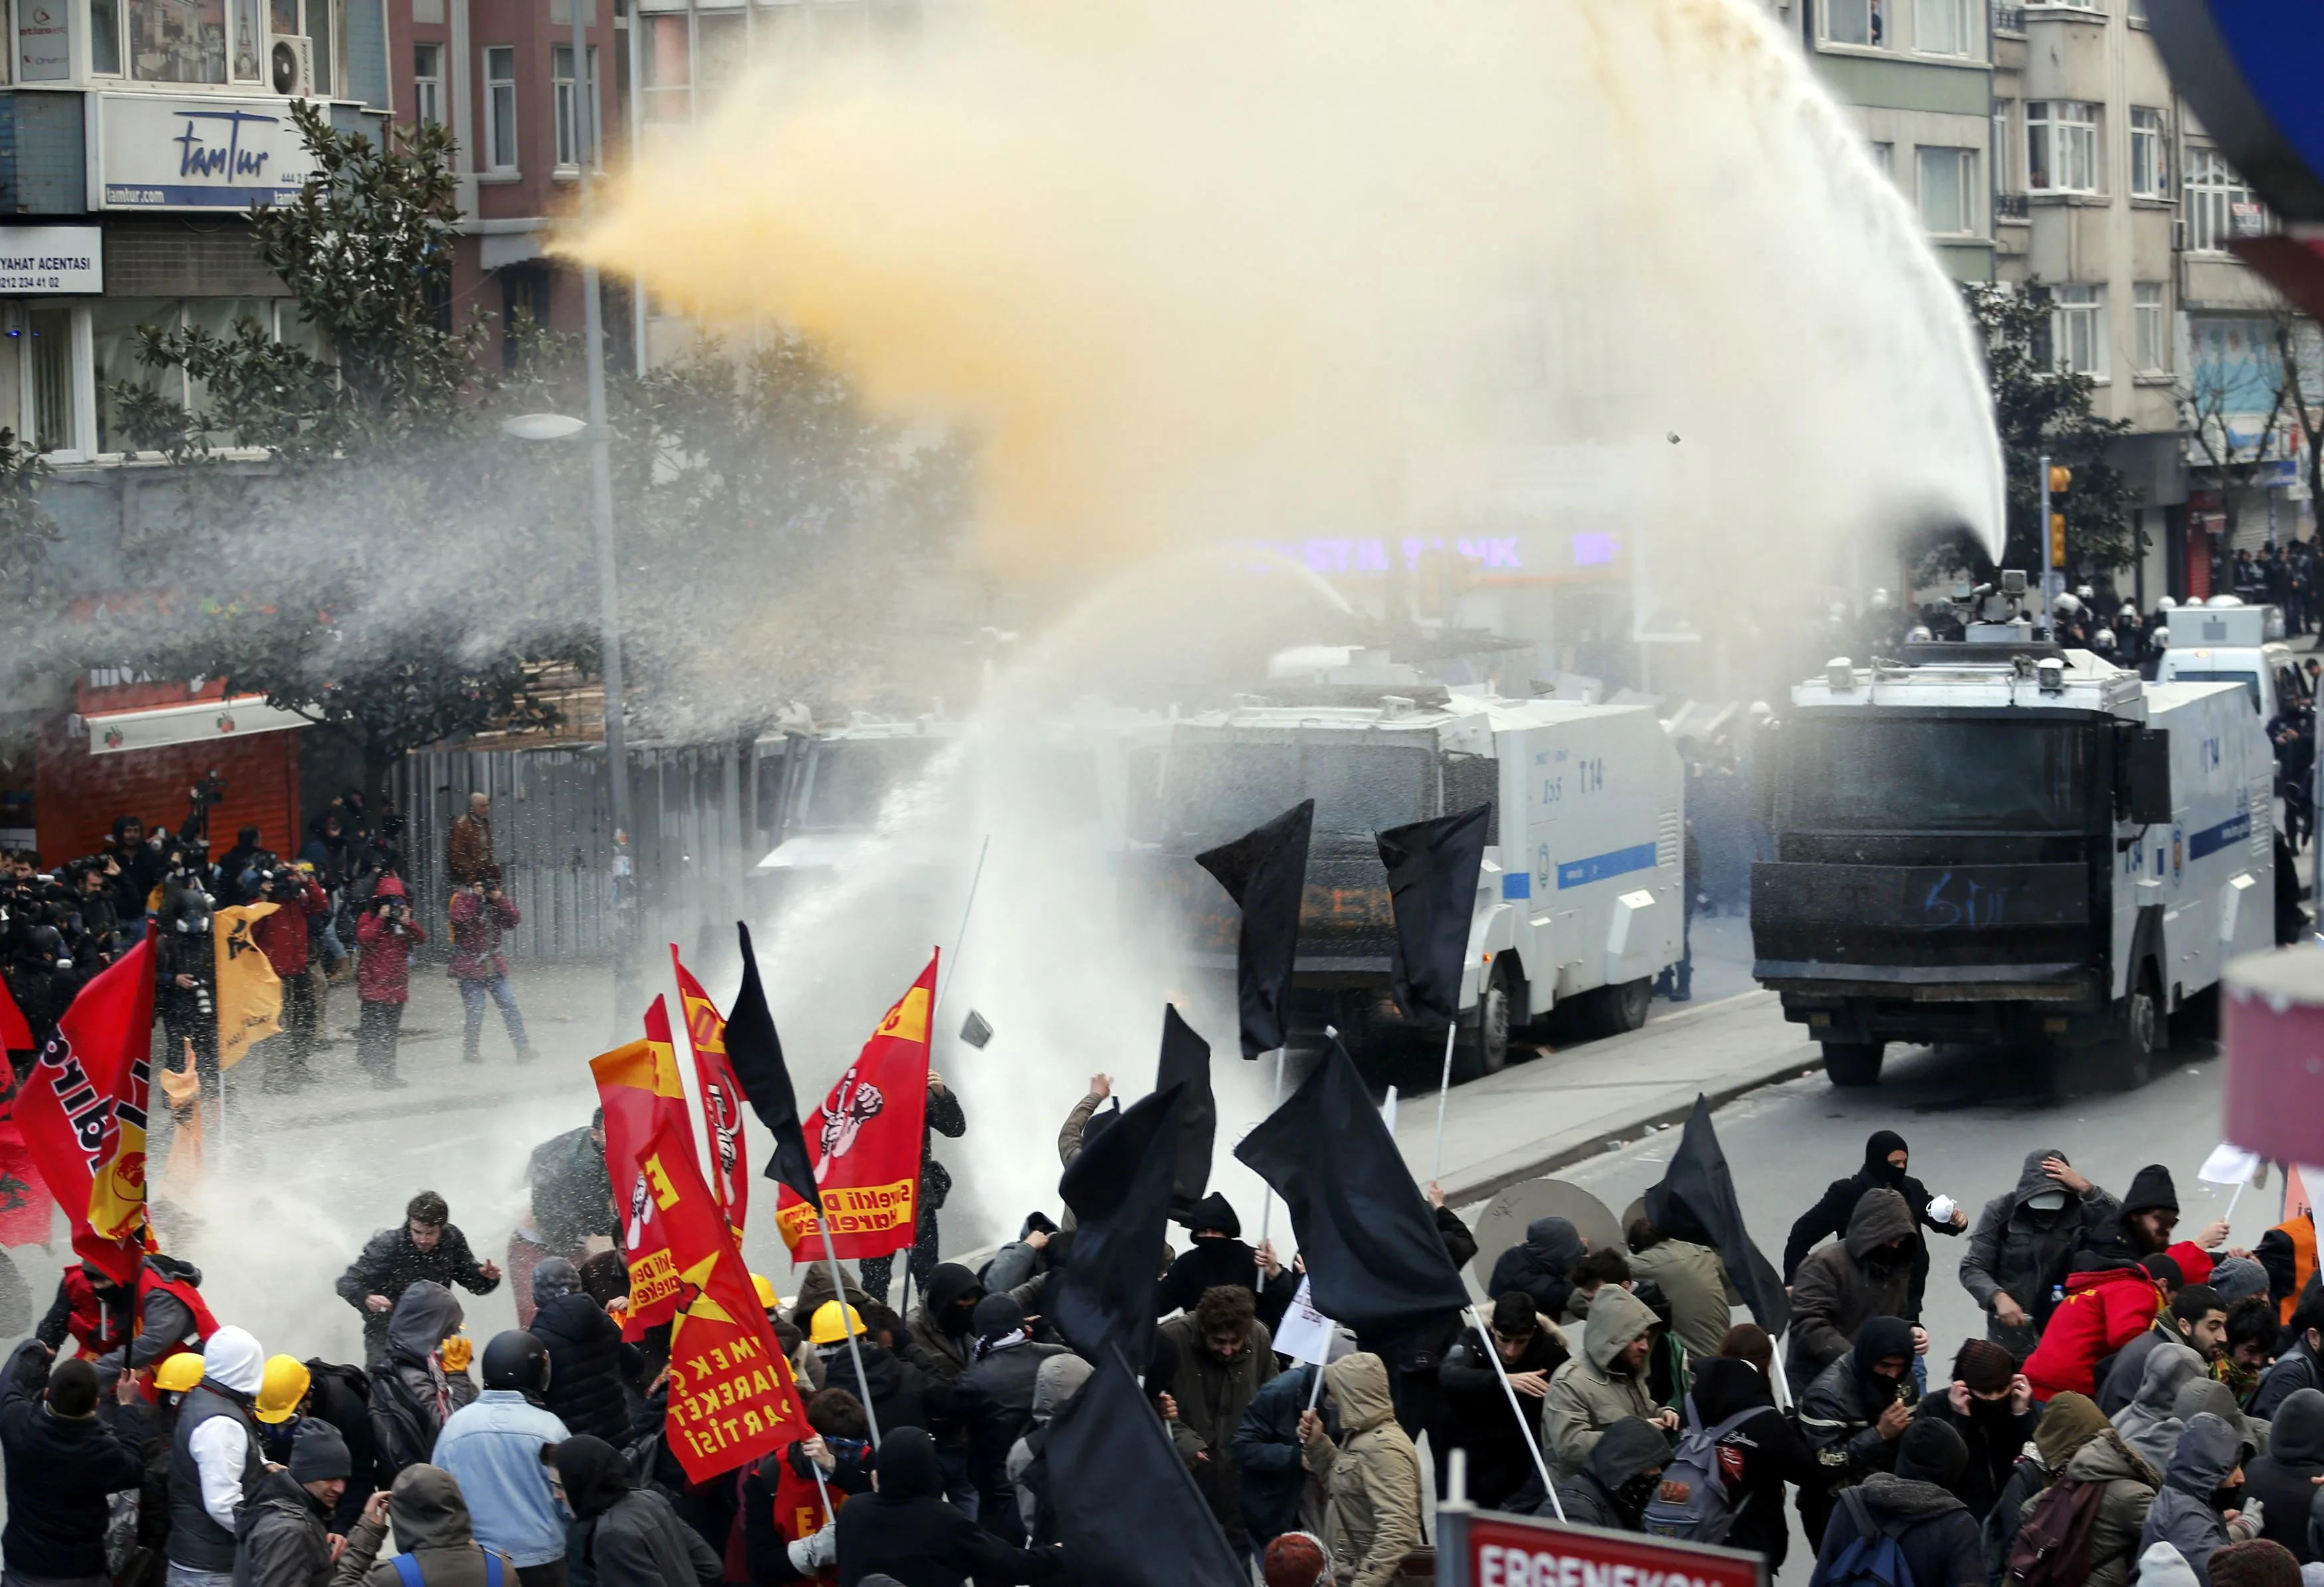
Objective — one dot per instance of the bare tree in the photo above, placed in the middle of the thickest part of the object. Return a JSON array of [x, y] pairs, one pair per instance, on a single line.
[[2300, 348], [2216, 392]]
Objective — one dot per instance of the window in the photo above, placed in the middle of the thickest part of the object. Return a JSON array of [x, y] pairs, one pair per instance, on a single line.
[[1943, 27], [105, 37], [1884, 155], [560, 66], [2152, 349], [177, 41], [49, 329], [2002, 164], [428, 84], [2062, 146], [2150, 169], [1948, 193], [250, 42], [1853, 22], [722, 52], [668, 67], [2078, 343], [2219, 206], [500, 105]]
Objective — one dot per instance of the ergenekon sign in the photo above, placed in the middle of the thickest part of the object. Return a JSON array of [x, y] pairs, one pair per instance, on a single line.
[[1484, 1548]]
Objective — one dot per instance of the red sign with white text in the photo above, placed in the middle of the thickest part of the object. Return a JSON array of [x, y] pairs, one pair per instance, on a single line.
[[1478, 1548]]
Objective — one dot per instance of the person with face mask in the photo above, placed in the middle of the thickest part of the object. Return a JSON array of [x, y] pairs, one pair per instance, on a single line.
[[1989, 1404], [2200, 1507], [1868, 1274], [1916, 1504], [1886, 1155], [1853, 1414], [2020, 1237], [1614, 1485]]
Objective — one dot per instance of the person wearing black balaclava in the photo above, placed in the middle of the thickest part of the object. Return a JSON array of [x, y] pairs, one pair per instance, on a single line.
[[1886, 1155], [1218, 1255], [904, 1529], [1991, 1406], [1853, 1415], [1759, 1454]]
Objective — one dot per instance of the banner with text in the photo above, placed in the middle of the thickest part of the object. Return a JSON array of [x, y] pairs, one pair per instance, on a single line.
[[640, 1088]]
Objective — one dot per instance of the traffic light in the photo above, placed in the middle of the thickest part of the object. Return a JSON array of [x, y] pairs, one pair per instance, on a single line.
[[2061, 479], [2057, 539]]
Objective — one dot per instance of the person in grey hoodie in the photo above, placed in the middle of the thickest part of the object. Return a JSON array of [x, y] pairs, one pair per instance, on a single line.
[[1603, 1385], [1060, 1377], [431, 1526], [1614, 1484], [2284, 1479], [2196, 1512], [2149, 1424], [2020, 1237], [1868, 1273], [412, 1393]]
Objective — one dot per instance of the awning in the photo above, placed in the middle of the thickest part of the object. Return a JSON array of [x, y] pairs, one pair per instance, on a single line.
[[115, 733]]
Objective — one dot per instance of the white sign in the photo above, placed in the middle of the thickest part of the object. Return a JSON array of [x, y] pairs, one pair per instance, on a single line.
[[1307, 1333], [167, 153], [44, 40], [115, 733], [52, 259]]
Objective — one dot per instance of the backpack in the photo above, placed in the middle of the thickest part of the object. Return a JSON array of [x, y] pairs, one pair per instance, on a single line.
[[1692, 1502], [407, 1570], [2053, 1539], [1876, 1559]]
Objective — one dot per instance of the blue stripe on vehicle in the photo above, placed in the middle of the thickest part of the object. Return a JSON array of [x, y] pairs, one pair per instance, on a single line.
[[1516, 884], [1598, 867], [2212, 839]]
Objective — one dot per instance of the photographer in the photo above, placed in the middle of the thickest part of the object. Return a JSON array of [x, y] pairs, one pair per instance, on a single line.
[[481, 912], [241, 869], [386, 935], [185, 969], [282, 936]]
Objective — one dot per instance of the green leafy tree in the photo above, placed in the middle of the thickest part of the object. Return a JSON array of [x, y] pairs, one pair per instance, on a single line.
[[2039, 410]]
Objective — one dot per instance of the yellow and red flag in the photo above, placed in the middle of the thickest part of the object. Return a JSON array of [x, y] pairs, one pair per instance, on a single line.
[[249, 992], [82, 1113], [731, 1399], [640, 1088], [721, 1094], [866, 1143]]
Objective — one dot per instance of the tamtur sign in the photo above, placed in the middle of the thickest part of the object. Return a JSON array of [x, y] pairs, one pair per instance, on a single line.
[[1484, 1548]]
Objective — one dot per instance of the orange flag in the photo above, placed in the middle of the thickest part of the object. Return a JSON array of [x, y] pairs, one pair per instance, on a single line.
[[866, 1142], [640, 1088], [731, 1399]]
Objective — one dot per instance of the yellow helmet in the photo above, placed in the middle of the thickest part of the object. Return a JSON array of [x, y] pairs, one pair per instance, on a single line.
[[182, 1371], [768, 1299], [280, 1390], [828, 1328]]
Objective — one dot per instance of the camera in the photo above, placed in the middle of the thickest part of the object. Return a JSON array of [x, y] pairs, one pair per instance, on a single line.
[[208, 792]]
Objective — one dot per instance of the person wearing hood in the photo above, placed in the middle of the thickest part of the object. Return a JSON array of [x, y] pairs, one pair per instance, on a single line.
[[1853, 1414], [426, 1247], [1279, 1493], [904, 1529], [214, 1460], [1605, 1382], [1916, 1504], [1025, 1258], [2196, 1317], [2197, 1511], [625, 1537], [492, 1447], [2070, 1421], [2110, 1284], [587, 1357], [285, 1539], [1541, 1266], [431, 1530], [2024, 1237], [1224, 1356], [786, 1497], [2285, 1479], [2301, 1364], [995, 1404], [2149, 1424], [386, 934], [1839, 1287], [1886, 1156], [1614, 1484], [1215, 1255], [943, 1324], [1370, 1475], [1990, 1406], [2129, 1486], [901, 1391], [1060, 1379], [62, 1463], [424, 1377], [165, 1314], [1478, 1415]]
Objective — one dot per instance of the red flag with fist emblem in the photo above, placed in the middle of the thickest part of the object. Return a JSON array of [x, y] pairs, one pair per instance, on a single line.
[[866, 1141], [640, 1087], [721, 1094]]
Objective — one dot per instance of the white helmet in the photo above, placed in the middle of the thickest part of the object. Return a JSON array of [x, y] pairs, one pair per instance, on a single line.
[[2067, 604], [1879, 600], [1919, 634], [2160, 639], [2085, 592], [1839, 611], [2167, 604], [2103, 640]]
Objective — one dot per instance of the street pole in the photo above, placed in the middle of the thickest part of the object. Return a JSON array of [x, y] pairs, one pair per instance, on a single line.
[[600, 483], [2048, 595]]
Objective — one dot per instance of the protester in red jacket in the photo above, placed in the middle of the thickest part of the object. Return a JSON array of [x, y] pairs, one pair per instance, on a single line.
[[387, 934], [2115, 1282]]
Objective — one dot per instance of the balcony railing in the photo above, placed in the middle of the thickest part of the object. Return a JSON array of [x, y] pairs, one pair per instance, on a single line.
[[2010, 207], [2008, 19]]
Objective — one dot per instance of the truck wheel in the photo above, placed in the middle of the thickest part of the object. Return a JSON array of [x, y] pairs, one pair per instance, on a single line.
[[2134, 1051], [1627, 1005], [1853, 1063], [1483, 1048]]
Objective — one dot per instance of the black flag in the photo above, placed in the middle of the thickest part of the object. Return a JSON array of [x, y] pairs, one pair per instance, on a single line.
[[1127, 1512], [1119, 1187], [1695, 1200], [1375, 1261], [1187, 1063], [1265, 871], [755, 1053], [1432, 884]]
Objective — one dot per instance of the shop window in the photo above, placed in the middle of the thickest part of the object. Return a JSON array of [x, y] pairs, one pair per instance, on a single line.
[[177, 41]]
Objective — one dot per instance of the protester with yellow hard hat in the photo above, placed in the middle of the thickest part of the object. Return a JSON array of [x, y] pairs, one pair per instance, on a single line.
[[900, 1391]]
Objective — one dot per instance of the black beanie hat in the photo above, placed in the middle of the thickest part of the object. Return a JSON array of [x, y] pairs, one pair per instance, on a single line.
[[2150, 1187], [317, 1453], [1931, 1452]]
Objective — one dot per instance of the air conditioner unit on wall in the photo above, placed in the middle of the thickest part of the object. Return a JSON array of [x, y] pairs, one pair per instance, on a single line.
[[290, 64]]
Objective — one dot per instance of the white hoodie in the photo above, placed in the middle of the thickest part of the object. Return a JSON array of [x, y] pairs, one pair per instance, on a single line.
[[220, 1447]]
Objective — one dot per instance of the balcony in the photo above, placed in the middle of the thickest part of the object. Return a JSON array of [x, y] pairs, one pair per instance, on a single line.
[[2008, 19], [2011, 207]]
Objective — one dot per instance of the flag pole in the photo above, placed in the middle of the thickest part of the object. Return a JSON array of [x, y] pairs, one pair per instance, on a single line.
[[1267, 1203], [1776, 1374], [1493, 1354], [839, 1294], [2232, 1200], [1315, 1390], [975, 877], [1444, 1090]]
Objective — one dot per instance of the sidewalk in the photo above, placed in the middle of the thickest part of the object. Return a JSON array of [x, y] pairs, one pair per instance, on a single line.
[[1532, 1119]]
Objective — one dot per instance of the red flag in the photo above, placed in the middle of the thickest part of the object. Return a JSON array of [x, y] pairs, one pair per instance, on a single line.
[[640, 1087], [721, 1094], [15, 1035], [82, 1112], [27, 1210], [731, 1395], [866, 1142]]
